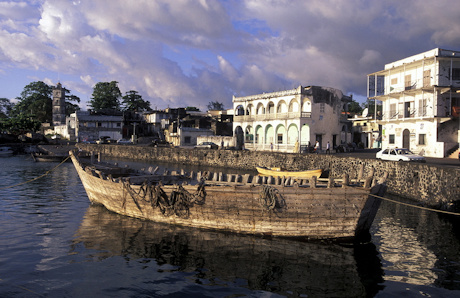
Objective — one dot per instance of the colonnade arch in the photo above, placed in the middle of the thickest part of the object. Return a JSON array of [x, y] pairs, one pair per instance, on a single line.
[[293, 134], [283, 106], [261, 136], [269, 134], [280, 135]]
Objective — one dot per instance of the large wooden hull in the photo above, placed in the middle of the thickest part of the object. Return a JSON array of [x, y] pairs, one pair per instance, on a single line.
[[300, 211], [296, 174]]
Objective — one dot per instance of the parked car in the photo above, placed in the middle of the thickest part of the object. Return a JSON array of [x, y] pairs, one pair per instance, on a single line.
[[207, 145], [103, 140], [399, 154], [160, 143], [124, 141]]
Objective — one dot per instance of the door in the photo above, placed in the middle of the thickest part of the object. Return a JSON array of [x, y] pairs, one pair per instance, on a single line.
[[406, 139]]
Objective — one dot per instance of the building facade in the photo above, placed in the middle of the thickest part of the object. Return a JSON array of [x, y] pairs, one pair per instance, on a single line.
[[366, 130], [282, 120], [421, 102], [90, 127]]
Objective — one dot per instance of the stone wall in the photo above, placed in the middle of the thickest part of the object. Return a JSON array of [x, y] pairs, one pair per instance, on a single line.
[[431, 185]]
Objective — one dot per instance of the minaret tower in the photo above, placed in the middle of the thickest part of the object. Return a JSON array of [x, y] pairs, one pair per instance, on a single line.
[[58, 105]]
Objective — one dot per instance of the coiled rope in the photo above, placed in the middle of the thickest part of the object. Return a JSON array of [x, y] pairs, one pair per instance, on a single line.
[[36, 178], [269, 197], [415, 206], [178, 202]]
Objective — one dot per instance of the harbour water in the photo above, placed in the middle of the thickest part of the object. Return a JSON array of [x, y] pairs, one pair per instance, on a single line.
[[53, 243]]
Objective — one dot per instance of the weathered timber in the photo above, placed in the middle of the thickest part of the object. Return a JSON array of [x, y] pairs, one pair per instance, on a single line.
[[238, 204]]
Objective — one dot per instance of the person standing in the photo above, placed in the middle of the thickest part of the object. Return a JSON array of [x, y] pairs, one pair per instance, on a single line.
[[328, 148], [317, 147]]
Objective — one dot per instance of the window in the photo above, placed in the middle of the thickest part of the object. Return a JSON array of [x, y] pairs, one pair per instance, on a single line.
[[280, 138], [422, 107], [322, 107], [455, 73], [421, 139], [391, 139], [187, 140], [394, 81], [427, 78], [393, 110], [99, 124], [118, 124], [407, 82]]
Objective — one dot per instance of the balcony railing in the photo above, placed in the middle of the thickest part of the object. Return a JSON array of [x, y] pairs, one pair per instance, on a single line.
[[277, 116]]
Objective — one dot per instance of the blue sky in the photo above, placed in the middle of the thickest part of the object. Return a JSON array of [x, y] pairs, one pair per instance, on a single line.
[[190, 52]]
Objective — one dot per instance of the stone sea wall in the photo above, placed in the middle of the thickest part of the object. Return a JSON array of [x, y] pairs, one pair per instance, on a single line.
[[429, 184]]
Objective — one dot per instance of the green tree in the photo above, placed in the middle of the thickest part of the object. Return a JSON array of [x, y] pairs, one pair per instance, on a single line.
[[132, 101], [354, 107], [69, 106], [20, 124], [194, 109], [5, 107], [106, 96], [35, 101], [371, 105], [215, 106]]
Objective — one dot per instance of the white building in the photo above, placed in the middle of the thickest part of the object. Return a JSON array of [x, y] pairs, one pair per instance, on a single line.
[[187, 136], [90, 127], [421, 102], [280, 119]]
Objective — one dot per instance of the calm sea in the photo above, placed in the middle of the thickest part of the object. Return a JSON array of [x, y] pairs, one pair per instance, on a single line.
[[53, 243]]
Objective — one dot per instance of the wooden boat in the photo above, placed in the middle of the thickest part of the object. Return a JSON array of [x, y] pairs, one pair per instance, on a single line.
[[282, 207], [38, 157], [6, 151], [277, 172]]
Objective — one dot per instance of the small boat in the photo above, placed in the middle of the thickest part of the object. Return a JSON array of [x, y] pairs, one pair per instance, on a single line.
[[39, 157], [6, 151], [277, 172], [245, 204]]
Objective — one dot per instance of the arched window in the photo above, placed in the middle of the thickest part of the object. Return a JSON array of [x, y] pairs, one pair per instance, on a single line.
[[239, 110]]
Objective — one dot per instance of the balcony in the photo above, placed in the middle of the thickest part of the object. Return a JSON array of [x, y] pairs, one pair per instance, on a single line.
[[277, 116]]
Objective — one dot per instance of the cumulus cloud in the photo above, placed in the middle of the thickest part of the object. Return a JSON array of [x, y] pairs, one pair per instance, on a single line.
[[189, 52]]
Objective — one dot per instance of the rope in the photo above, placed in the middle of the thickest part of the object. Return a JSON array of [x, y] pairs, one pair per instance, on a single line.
[[179, 201], [36, 178], [415, 206], [268, 196]]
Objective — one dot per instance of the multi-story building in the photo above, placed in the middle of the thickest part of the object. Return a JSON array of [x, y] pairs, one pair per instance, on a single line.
[[280, 120], [366, 130], [421, 102], [58, 105], [90, 127]]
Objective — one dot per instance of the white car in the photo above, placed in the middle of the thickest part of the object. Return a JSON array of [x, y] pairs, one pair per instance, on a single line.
[[124, 141], [399, 154], [207, 145]]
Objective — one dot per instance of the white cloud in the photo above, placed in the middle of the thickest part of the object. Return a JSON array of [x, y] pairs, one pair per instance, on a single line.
[[222, 48]]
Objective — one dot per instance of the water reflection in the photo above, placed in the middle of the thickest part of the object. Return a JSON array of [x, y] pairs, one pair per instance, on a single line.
[[418, 247], [275, 265]]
